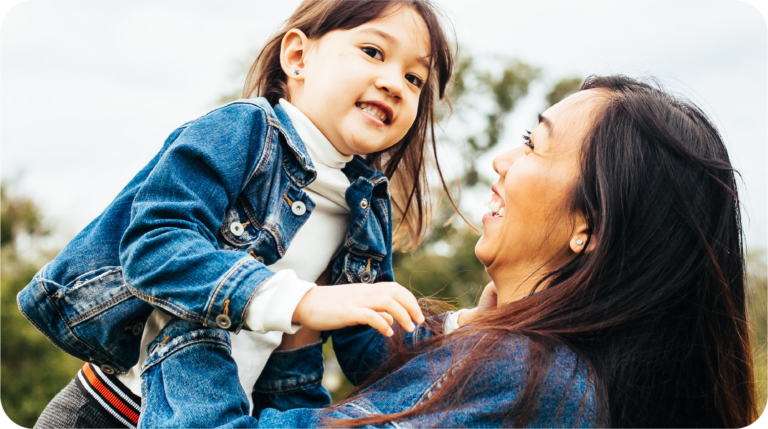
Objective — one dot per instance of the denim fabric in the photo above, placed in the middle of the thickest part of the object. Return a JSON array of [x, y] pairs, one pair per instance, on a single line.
[[212, 397], [294, 380], [167, 241]]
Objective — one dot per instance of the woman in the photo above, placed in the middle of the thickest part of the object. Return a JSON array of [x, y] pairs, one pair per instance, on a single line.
[[616, 253]]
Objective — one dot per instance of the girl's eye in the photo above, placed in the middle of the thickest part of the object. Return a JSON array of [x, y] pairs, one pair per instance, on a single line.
[[414, 80], [528, 142], [373, 53]]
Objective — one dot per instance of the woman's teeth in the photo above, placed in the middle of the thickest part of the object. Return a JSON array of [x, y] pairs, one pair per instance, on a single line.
[[495, 205], [373, 110]]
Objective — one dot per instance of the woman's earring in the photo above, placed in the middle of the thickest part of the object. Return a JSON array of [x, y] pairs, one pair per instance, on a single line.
[[579, 242], [296, 72]]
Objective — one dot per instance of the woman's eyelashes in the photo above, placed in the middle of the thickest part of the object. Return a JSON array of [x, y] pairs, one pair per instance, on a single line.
[[527, 137]]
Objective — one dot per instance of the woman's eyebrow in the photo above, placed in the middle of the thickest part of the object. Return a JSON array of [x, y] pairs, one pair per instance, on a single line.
[[547, 123]]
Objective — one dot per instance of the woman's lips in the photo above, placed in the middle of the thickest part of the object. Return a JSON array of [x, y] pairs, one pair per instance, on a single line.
[[496, 204]]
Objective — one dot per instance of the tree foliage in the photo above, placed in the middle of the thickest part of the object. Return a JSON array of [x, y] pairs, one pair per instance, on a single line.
[[32, 370], [562, 89]]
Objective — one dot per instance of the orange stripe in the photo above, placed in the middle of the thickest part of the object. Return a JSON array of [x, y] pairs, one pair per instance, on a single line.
[[109, 396]]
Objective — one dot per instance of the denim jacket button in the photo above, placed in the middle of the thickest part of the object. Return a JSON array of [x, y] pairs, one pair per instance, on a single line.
[[106, 369], [236, 228], [137, 328], [223, 321], [366, 277], [364, 204], [298, 208]]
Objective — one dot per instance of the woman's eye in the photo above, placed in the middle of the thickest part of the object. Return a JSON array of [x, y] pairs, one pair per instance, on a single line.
[[528, 142], [373, 53], [414, 80]]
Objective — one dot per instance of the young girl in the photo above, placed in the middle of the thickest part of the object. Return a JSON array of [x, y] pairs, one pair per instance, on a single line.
[[245, 208]]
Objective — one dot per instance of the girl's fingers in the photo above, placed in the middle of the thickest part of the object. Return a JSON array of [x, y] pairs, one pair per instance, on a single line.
[[409, 302], [387, 317], [394, 308], [373, 319], [403, 296]]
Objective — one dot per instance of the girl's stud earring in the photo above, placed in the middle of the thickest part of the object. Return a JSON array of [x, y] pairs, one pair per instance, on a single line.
[[296, 72], [579, 242]]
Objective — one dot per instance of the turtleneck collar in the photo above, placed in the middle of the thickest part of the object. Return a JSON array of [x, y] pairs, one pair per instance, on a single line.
[[321, 151]]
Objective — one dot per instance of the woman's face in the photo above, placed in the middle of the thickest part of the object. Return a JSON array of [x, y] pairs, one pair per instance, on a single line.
[[534, 226]]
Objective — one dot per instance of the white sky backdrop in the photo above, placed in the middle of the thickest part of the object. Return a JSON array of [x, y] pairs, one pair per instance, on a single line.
[[89, 90]]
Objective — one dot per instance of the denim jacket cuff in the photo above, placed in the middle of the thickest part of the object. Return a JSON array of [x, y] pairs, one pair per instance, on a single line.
[[228, 306], [179, 334], [291, 370]]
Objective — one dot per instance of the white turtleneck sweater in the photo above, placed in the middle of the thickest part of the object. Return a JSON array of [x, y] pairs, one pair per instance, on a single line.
[[310, 252]]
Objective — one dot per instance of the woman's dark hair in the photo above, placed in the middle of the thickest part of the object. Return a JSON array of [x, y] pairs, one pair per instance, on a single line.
[[656, 310], [405, 163]]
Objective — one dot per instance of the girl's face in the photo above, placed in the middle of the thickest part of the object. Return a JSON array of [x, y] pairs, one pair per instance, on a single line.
[[361, 87], [535, 228]]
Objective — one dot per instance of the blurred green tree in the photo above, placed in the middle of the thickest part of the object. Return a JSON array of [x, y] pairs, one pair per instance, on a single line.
[[757, 291], [562, 89], [32, 370]]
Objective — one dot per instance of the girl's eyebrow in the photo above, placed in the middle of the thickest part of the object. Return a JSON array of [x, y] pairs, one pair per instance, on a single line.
[[384, 35]]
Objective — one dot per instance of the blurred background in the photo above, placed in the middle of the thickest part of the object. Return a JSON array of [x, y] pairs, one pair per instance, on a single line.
[[89, 90]]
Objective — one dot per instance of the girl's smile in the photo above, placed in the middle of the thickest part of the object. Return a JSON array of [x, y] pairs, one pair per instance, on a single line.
[[378, 112]]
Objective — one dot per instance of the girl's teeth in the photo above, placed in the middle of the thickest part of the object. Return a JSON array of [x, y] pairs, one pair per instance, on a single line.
[[495, 206], [501, 212], [488, 200], [373, 110]]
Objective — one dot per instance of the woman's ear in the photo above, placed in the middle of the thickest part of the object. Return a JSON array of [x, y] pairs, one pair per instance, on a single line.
[[293, 50], [581, 240]]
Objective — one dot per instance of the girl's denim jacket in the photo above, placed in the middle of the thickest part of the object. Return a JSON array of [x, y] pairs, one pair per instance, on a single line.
[[192, 234], [203, 393]]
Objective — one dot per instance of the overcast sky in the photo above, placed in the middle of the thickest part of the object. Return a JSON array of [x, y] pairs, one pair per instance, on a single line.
[[89, 90]]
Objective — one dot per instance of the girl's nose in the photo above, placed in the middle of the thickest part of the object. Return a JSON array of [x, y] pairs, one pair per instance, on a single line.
[[390, 83]]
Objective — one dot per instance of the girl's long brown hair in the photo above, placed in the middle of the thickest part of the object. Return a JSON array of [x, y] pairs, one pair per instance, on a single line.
[[406, 163], [656, 311]]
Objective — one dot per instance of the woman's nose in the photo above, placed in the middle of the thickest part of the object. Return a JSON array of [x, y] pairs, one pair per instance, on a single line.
[[505, 160]]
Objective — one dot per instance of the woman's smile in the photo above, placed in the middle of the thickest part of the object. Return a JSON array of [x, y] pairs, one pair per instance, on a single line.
[[496, 204]]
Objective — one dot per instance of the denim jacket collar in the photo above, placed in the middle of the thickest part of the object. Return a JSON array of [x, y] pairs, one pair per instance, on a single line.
[[301, 168], [305, 171]]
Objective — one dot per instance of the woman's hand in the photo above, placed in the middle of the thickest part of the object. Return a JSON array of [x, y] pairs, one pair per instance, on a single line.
[[488, 301], [378, 305]]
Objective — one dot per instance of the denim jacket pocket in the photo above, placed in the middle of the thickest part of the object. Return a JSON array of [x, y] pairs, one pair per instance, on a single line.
[[361, 269], [240, 229]]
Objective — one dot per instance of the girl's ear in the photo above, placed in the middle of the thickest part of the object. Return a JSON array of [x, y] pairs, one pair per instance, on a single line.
[[293, 52]]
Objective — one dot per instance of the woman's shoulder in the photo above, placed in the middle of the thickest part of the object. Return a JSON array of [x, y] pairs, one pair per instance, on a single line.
[[512, 361]]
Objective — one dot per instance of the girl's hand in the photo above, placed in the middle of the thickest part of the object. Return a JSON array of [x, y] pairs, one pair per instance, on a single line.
[[378, 305], [488, 301]]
